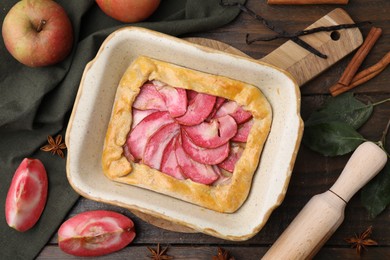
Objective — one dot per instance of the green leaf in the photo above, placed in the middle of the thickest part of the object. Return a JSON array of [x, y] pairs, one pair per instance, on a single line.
[[344, 108], [332, 138], [375, 196]]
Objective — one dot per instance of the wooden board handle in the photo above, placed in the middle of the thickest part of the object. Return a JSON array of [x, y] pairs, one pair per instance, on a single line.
[[304, 65]]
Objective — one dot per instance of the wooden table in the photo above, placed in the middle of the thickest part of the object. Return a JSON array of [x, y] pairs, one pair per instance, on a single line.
[[312, 173]]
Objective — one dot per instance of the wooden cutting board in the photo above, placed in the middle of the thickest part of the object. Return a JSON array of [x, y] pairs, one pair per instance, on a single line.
[[300, 63]]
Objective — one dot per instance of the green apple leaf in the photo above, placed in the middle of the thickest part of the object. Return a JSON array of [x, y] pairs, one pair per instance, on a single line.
[[344, 108], [332, 138], [375, 196]]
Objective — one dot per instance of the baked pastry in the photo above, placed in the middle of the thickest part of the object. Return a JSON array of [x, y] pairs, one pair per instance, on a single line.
[[191, 135]]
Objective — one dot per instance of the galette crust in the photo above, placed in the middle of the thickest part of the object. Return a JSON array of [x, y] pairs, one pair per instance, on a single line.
[[226, 197]]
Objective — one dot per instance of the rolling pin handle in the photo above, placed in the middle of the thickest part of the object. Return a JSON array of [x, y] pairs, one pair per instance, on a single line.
[[324, 213], [367, 160]]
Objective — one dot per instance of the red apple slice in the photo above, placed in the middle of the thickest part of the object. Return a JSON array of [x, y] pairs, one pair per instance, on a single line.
[[169, 163], [139, 115], [197, 172], [26, 196], [198, 109], [149, 98], [234, 155], [95, 233], [243, 132], [212, 134], [225, 177], [174, 98], [191, 95], [157, 143], [204, 155], [139, 136], [233, 109], [218, 103]]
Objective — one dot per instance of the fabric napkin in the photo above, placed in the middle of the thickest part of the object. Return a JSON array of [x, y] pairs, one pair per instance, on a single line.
[[37, 102]]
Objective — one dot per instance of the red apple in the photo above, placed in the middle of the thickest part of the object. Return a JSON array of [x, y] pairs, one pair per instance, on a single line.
[[37, 32], [95, 233], [27, 195], [128, 11]]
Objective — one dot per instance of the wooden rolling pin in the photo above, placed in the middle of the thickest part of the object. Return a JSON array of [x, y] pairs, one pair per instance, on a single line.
[[324, 213]]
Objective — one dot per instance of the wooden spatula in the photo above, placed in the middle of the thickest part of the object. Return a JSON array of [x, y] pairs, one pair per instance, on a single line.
[[324, 213]]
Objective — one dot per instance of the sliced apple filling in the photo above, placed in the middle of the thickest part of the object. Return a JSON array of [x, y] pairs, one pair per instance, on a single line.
[[186, 134]]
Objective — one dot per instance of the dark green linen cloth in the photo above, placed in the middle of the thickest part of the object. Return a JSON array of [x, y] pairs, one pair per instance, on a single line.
[[37, 102]]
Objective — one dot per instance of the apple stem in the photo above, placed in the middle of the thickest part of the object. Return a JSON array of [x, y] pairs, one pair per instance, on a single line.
[[40, 26]]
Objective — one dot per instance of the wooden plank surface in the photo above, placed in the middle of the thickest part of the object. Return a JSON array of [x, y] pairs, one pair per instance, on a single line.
[[312, 173]]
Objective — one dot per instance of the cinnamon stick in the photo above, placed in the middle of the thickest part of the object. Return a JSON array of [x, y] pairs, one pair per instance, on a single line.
[[358, 59], [363, 76], [306, 2]]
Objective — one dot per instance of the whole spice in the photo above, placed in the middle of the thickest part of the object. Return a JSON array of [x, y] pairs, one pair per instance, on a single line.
[[159, 254], [331, 28], [55, 146], [361, 241], [357, 59], [223, 255], [363, 76], [295, 39]]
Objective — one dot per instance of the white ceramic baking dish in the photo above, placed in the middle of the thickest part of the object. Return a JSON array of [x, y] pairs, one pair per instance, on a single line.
[[91, 114]]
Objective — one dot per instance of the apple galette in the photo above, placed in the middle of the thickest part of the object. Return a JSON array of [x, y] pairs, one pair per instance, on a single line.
[[187, 134]]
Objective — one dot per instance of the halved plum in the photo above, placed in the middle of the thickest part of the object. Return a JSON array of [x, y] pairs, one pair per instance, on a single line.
[[149, 98], [139, 136], [212, 134], [95, 233], [233, 109], [157, 143], [169, 163], [204, 155], [243, 132], [197, 172], [234, 155], [198, 109], [174, 98]]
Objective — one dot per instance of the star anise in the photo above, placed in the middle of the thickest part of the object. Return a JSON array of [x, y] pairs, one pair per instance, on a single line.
[[159, 254], [55, 146], [223, 255], [361, 241]]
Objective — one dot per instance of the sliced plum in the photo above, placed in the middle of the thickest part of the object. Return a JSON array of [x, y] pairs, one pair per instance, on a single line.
[[212, 134], [198, 109], [204, 155], [139, 136], [157, 143]]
